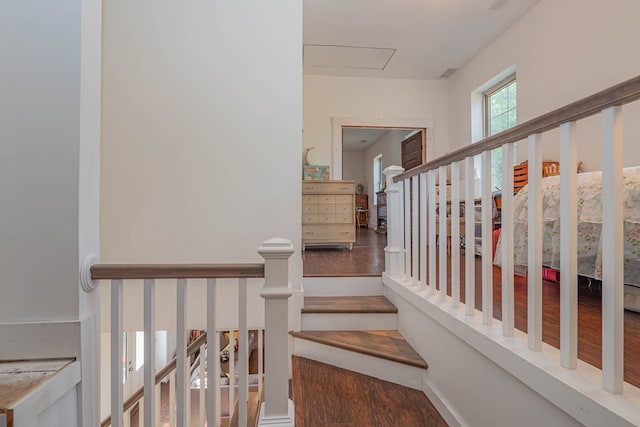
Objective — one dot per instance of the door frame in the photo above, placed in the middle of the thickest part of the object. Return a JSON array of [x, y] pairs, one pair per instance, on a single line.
[[338, 123]]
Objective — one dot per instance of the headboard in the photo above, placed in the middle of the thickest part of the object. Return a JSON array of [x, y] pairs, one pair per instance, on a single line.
[[521, 173]]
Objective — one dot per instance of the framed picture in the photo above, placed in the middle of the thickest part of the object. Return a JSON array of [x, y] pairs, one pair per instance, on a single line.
[[316, 173]]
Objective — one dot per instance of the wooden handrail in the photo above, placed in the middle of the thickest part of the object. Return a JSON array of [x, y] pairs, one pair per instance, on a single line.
[[175, 271], [162, 373], [620, 94]]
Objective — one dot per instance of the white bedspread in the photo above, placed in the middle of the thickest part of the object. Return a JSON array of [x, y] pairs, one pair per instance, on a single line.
[[589, 225]]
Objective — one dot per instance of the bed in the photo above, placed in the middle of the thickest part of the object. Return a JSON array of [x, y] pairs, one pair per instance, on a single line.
[[589, 229]]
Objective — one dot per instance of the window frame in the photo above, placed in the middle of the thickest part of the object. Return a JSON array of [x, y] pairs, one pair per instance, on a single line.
[[496, 183], [485, 101]]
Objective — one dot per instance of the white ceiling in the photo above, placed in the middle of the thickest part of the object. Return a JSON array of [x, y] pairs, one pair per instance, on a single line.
[[352, 138], [428, 36]]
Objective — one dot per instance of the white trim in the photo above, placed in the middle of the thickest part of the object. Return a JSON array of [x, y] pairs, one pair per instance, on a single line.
[[578, 392], [442, 405], [40, 340], [337, 123]]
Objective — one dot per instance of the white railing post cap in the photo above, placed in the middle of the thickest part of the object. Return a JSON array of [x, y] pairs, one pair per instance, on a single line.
[[87, 284], [278, 247], [393, 170]]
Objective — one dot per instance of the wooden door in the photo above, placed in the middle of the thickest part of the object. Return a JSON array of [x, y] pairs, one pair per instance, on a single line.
[[412, 151]]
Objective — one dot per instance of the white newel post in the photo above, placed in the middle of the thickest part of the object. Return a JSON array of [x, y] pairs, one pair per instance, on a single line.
[[394, 251], [277, 409]]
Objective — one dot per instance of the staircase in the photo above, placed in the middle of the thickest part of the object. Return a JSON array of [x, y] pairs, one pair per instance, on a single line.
[[349, 323]]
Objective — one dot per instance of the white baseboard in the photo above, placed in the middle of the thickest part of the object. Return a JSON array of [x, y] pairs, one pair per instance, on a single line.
[[441, 404], [39, 340]]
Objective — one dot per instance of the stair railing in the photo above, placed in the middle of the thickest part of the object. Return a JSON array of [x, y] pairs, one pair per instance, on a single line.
[[411, 257], [165, 372], [276, 407]]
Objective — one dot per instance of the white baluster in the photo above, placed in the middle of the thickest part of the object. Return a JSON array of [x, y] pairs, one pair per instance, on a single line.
[[116, 354], [487, 236], [243, 341], [141, 410], [126, 421], [455, 234], [149, 352], [469, 238], [442, 211], [394, 251], [182, 368], [172, 398], [415, 229], [423, 230], [433, 204], [568, 247], [506, 237], [407, 229], [213, 357], [534, 274], [232, 374], [612, 252], [158, 405], [277, 408], [260, 360], [202, 419]]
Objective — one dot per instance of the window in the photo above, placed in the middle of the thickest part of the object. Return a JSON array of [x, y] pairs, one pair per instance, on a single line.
[[378, 178], [499, 115]]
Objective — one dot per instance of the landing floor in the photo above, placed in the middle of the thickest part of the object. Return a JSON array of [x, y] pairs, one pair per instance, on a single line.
[[333, 397]]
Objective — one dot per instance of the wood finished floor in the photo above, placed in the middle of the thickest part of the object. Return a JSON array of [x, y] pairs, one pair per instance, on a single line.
[[332, 397], [365, 259], [589, 302], [389, 345], [359, 304]]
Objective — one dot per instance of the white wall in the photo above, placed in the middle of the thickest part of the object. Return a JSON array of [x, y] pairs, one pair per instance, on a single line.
[[39, 134], [201, 131], [563, 50], [385, 100], [353, 166], [50, 60], [478, 391]]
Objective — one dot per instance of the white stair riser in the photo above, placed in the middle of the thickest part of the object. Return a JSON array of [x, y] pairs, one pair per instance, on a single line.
[[349, 321], [386, 370], [342, 286]]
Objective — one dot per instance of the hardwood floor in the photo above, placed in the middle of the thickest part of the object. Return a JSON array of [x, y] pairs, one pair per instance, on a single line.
[[332, 397], [359, 304], [389, 345], [370, 248], [366, 258]]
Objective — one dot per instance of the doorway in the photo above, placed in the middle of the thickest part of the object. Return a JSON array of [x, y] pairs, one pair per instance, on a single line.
[[365, 151]]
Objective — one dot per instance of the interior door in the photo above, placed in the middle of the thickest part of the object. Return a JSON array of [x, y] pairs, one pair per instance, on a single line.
[[412, 151], [133, 360]]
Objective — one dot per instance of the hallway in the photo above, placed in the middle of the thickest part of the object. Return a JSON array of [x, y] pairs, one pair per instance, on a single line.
[[366, 258]]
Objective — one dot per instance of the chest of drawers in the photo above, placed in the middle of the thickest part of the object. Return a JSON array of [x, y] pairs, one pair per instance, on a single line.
[[328, 213]]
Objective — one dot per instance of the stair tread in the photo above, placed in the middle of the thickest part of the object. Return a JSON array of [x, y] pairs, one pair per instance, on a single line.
[[389, 345], [348, 304]]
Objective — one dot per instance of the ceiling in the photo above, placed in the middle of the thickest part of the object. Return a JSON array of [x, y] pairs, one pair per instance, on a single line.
[[352, 138], [415, 39]]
